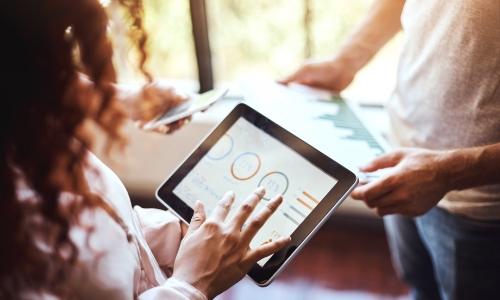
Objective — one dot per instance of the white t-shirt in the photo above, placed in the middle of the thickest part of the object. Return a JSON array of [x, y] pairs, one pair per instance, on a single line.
[[448, 89]]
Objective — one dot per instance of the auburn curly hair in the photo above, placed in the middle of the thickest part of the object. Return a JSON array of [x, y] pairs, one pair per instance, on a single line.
[[44, 44]]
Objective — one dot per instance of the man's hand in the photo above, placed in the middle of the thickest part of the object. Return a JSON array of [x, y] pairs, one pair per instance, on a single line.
[[418, 181], [332, 75], [380, 24]]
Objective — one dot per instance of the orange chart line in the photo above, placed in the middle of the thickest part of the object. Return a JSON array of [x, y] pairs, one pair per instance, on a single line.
[[246, 178], [310, 197], [305, 204]]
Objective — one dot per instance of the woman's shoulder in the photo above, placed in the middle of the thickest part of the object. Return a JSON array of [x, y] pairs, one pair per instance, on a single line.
[[104, 182]]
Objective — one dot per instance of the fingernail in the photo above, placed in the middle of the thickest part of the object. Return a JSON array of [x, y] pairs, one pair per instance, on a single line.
[[163, 129], [197, 204], [285, 238], [230, 193], [261, 189], [183, 96]]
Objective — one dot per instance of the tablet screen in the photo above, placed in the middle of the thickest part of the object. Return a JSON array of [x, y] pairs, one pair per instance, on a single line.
[[245, 158]]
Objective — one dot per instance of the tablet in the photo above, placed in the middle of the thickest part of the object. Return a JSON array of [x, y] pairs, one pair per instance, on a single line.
[[247, 150]]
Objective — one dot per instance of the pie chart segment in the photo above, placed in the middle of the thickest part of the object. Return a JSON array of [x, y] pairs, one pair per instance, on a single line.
[[245, 166], [275, 183], [222, 148]]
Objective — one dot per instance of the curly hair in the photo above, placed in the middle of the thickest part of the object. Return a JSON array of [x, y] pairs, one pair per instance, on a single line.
[[44, 44]]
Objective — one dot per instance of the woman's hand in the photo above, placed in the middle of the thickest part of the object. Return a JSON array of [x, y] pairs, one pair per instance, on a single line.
[[148, 102], [215, 255]]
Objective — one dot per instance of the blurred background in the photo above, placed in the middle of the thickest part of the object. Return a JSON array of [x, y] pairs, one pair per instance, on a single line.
[[198, 44], [265, 38]]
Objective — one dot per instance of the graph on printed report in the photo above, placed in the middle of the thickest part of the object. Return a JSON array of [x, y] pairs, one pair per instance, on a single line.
[[246, 158], [345, 118], [330, 125]]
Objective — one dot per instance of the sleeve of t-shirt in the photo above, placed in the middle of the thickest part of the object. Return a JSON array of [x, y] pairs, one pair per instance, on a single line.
[[173, 289]]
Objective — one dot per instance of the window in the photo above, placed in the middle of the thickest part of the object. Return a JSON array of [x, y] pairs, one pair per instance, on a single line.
[[268, 38]]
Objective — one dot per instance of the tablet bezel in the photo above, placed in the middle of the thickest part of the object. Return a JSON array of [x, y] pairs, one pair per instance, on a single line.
[[347, 181]]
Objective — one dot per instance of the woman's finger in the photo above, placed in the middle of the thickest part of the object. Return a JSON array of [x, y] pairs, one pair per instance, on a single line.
[[184, 229], [198, 218], [223, 207], [178, 124], [247, 207], [256, 223], [172, 127], [254, 255]]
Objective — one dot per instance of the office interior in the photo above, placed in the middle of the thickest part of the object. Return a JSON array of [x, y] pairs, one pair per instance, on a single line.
[[197, 45]]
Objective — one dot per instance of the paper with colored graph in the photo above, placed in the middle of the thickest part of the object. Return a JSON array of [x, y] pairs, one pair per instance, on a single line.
[[327, 122]]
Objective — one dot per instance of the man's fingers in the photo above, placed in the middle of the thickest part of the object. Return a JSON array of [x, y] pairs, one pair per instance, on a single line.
[[256, 223], [198, 218], [390, 210], [286, 80], [389, 199], [247, 207], [254, 255], [384, 161], [292, 78], [372, 190], [223, 207]]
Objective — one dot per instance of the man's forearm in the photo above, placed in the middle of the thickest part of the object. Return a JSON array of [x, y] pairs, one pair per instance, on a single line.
[[471, 167], [381, 23]]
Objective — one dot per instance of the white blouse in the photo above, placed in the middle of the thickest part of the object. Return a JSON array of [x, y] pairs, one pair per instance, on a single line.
[[110, 267]]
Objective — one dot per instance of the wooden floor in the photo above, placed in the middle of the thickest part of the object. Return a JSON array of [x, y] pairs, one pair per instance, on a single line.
[[340, 262]]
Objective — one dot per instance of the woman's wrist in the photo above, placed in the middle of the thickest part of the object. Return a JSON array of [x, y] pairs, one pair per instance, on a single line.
[[129, 97]]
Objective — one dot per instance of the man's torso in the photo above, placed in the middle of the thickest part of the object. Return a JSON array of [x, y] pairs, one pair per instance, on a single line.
[[448, 90]]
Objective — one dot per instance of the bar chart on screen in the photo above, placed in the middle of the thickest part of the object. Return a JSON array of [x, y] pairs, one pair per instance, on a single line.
[[299, 207]]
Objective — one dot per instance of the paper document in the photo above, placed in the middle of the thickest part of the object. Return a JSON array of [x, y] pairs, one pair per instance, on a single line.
[[333, 127]]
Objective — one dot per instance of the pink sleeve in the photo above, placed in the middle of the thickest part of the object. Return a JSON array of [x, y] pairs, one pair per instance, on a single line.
[[162, 231], [173, 289]]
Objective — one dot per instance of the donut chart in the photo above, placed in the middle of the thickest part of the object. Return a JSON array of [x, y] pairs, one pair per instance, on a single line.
[[275, 183], [245, 166], [222, 149]]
